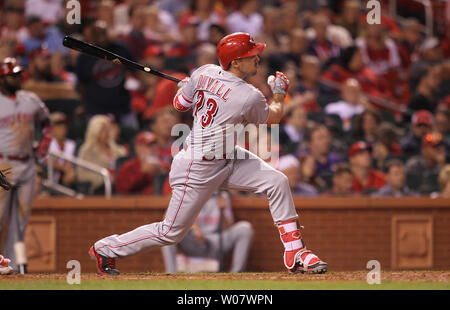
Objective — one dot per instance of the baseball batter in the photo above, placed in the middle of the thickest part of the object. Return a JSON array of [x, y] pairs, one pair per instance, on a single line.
[[20, 111], [220, 98]]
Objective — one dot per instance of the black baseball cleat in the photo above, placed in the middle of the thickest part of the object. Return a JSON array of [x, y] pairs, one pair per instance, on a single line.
[[105, 265]]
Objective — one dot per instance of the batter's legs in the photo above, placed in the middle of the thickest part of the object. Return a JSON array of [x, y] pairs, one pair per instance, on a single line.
[[193, 183], [253, 174]]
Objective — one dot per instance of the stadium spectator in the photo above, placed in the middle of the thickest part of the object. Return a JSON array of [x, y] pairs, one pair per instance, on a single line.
[[365, 178], [421, 124], [43, 81], [309, 175], [102, 83], [206, 14], [122, 16], [161, 125], [105, 13], [203, 240], [426, 166], [246, 18], [349, 18], [320, 46], [143, 92], [159, 26], [335, 33], [386, 146], [427, 86], [292, 54], [290, 18], [206, 54], [309, 85], [137, 174], [410, 44], [135, 40], [98, 148], [365, 125], [49, 11], [270, 31], [429, 55], [318, 145], [12, 29], [182, 55], [444, 183], [216, 33], [379, 53], [352, 103], [292, 132], [41, 35], [64, 172], [442, 123], [290, 166], [342, 181], [350, 65], [395, 181]]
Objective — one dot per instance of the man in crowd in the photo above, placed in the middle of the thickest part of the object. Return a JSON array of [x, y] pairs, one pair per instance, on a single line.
[[395, 181], [137, 174], [365, 178], [342, 181], [102, 83], [318, 140], [292, 133], [421, 124], [425, 167]]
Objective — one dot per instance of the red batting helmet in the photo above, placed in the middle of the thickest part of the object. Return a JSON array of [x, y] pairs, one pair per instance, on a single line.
[[237, 45], [9, 66]]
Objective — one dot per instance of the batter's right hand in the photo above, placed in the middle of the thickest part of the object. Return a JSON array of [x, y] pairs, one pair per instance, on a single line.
[[183, 82], [279, 83]]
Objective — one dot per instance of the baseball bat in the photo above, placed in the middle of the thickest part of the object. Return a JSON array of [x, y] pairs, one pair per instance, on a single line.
[[96, 51]]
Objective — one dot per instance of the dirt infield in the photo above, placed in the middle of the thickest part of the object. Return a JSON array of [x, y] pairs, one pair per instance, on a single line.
[[386, 276]]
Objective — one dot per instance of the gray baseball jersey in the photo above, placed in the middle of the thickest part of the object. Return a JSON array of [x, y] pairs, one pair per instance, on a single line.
[[219, 99], [18, 117]]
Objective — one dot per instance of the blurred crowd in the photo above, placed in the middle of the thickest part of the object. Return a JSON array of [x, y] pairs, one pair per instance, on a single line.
[[367, 113]]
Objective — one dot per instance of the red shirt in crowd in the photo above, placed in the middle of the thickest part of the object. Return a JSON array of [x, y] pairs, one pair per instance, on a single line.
[[132, 180], [376, 180]]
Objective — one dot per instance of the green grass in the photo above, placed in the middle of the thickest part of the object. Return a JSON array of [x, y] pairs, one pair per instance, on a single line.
[[220, 285]]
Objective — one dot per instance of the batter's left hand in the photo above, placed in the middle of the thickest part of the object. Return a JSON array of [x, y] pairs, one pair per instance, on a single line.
[[183, 82], [279, 83]]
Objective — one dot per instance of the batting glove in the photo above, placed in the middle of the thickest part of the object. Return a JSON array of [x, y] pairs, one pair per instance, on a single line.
[[183, 82], [279, 83]]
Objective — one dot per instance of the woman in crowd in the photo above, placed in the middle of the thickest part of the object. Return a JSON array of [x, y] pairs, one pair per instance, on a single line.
[[98, 148]]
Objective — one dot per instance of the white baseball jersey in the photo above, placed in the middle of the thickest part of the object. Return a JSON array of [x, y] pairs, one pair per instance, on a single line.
[[18, 116], [219, 101]]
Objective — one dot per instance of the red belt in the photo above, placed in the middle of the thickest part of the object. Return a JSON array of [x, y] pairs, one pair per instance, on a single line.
[[12, 157]]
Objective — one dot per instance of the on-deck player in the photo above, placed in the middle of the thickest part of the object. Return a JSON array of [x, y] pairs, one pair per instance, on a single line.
[[220, 98], [20, 111]]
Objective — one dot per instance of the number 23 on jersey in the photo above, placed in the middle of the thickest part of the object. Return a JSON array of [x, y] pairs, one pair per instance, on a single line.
[[207, 118]]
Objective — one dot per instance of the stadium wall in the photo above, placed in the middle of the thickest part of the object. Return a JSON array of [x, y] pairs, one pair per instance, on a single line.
[[401, 233]]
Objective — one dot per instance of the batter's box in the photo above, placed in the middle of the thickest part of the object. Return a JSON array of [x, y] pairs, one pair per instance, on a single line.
[[40, 240], [412, 242]]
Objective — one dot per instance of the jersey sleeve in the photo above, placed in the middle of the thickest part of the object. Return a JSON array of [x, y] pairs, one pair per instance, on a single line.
[[256, 109], [42, 113]]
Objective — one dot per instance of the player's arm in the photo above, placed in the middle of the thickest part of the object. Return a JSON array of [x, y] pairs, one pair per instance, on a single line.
[[181, 101], [43, 118], [279, 85]]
